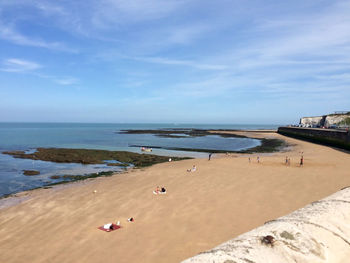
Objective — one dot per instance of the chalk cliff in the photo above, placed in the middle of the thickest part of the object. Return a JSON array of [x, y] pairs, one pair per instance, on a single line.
[[312, 121], [319, 232], [326, 120]]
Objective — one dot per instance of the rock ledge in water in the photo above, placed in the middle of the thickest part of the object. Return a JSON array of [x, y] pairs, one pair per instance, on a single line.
[[30, 172]]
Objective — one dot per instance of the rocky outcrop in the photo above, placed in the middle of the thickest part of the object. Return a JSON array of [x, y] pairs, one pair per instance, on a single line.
[[319, 232], [326, 120], [312, 121], [334, 119]]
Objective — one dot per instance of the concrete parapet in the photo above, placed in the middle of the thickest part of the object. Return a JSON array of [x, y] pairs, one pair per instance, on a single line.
[[337, 138], [319, 232]]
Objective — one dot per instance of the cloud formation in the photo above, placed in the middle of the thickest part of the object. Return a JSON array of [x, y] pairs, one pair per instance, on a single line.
[[224, 53], [19, 65]]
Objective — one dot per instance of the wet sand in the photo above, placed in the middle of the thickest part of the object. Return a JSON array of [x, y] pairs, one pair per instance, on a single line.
[[225, 197]]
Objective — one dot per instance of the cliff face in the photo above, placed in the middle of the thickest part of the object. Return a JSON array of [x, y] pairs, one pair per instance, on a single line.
[[319, 232], [326, 120], [334, 119], [312, 121]]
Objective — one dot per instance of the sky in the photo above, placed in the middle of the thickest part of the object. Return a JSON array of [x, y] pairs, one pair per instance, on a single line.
[[173, 61]]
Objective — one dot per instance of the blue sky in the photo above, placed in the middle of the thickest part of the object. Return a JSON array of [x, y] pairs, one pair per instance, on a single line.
[[193, 61]]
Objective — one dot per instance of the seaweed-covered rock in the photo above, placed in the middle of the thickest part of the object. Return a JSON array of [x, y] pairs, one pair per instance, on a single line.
[[30, 172]]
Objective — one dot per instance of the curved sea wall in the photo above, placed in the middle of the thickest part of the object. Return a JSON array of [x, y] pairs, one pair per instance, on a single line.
[[337, 138], [319, 232]]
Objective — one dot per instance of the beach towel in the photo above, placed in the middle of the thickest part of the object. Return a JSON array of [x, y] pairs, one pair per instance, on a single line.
[[159, 193], [106, 227]]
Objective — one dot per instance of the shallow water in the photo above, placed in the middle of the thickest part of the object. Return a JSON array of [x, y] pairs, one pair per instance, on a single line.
[[29, 136]]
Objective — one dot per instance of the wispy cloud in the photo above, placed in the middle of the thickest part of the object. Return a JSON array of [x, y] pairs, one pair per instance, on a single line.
[[66, 81], [311, 37], [16, 65], [176, 62], [109, 13], [49, 8], [19, 65], [10, 34]]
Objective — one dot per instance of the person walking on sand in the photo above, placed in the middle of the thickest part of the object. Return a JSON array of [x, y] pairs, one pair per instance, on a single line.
[[209, 156], [302, 161], [258, 159]]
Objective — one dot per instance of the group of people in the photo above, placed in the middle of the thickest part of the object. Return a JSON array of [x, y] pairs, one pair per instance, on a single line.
[[257, 159], [287, 161]]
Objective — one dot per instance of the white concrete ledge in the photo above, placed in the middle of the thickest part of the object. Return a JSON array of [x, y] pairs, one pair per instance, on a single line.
[[319, 232]]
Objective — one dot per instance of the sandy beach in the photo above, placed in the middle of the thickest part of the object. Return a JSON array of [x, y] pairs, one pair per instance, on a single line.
[[223, 198]]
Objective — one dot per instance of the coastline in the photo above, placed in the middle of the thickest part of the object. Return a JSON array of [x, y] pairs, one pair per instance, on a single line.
[[128, 159], [222, 199]]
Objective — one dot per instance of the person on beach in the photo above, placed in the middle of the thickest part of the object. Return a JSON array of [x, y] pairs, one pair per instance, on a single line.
[[194, 168], [131, 219], [258, 159], [301, 160], [249, 159], [286, 160], [108, 226], [157, 190], [209, 156]]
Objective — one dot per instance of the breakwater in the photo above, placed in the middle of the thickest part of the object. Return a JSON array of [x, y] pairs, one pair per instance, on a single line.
[[318, 232], [330, 137]]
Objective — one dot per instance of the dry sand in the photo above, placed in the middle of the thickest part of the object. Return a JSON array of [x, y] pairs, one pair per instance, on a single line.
[[225, 197]]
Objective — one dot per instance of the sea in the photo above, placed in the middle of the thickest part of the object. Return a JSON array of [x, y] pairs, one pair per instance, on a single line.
[[105, 136]]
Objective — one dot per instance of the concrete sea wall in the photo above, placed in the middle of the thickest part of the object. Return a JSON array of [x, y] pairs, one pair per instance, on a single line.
[[336, 138], [319, 232]]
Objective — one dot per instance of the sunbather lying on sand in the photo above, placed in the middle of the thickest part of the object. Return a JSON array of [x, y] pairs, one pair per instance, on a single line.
[[159, 191], [108, 226], [193, 169]]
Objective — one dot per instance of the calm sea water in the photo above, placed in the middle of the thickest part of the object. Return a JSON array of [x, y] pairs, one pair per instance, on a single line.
[[29, 136]]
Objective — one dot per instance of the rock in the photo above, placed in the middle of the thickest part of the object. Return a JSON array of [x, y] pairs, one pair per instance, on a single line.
[[325, 120], [30, 172]]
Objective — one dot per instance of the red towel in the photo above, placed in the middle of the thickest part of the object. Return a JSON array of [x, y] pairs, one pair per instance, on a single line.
[[115, 227]]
